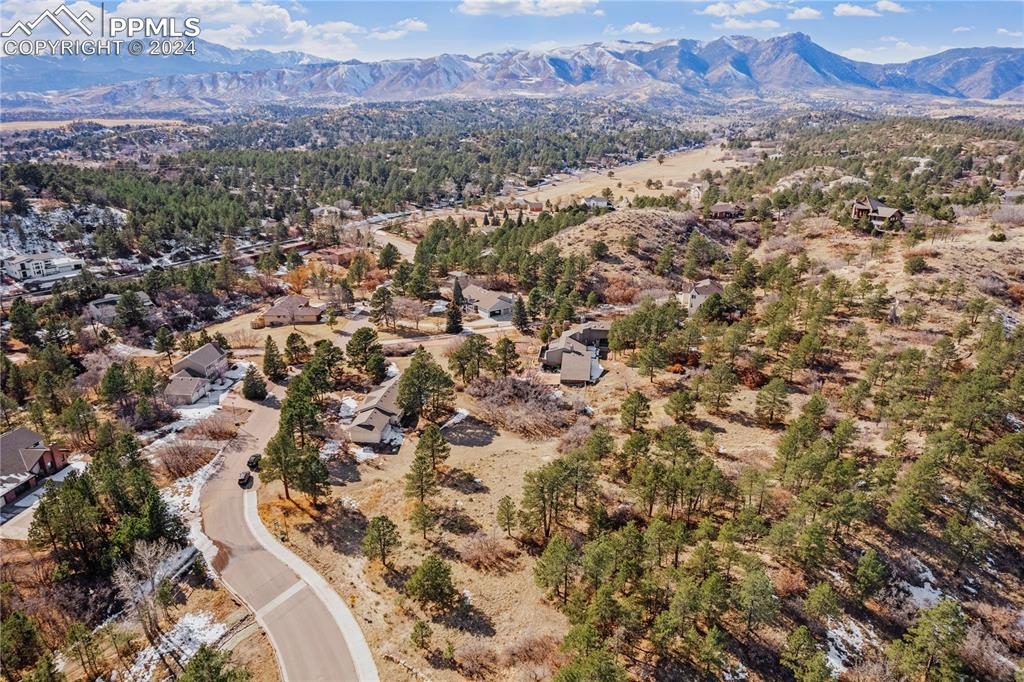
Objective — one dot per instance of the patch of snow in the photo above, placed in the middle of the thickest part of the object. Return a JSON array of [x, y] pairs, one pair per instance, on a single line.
[[348, 504], [330, 449], [392, 436], [439, 307], [846, 643], [347, 409], [736, 672], [927, 595], [392, 370], [182, 497], [363, 454], [190, 632], [459, 415], [467, 597]]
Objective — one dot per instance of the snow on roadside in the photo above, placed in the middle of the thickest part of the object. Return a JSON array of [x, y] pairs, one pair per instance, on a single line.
[[459, 415], [846, 643], [392, 370], [182, 497], [190, 632]]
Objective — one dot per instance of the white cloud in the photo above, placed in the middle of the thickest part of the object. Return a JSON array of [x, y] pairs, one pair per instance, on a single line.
[[804, 13], [893, 52], [736, 9], [890, 6], [543, 8], [411, 24], [641, 27], [963, 29], [1007, 32], [598, 13], [398, 30], [845, 9], [745, 25]]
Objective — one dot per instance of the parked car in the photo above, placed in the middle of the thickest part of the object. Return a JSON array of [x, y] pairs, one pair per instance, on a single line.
[[244, 479], [254, 462]]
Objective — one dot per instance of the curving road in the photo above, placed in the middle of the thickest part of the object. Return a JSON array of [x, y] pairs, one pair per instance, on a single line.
[[313, 632]]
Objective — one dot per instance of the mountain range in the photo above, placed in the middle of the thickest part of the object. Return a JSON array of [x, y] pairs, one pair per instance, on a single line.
[[728, 68]]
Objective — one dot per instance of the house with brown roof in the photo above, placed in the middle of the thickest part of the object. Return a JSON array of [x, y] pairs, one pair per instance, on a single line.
[[575, 354], [207, 362], [877, 213], [698, 292], [290, 309], [725, 211], [491, 304], [185, 389], [25, 460], [336, 255], [378, 410]]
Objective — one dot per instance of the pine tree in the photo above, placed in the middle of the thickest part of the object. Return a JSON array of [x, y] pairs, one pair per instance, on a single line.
[[635, 411], [421, 480], [651, 358], [431, 583], [420, 636], [382, 307], [377, 367], [506, 357], [296, 350], [507, 514], [422, 519], [425, 388], [718, 386], [164, 343], [361, 346], [388, 257], [380, 539], [433, 445], [772, 401], [756, 598], [313, 477], [453, 319], [210, 665], [282, 461], [680, 405], [520, 318], [930, 648], [557, 566], [273, 366], [253, 386], [458, 298]]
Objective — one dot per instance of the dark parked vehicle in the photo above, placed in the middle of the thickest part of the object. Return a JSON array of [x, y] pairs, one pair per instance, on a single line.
[[254, 462], [244, 479]]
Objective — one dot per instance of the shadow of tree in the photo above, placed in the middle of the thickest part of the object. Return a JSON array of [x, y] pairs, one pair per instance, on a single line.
[[343, 470], [471, 432], [464, 482], [458, 522], [468, 618], [338, 527], [395, 578]]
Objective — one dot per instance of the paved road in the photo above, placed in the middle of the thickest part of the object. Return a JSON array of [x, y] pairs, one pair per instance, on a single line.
[[304, 618]]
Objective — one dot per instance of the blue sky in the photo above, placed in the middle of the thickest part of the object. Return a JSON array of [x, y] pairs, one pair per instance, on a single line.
[[880, 31]]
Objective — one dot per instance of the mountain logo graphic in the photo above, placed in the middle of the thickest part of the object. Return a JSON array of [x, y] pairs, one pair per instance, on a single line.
[[52, 16]]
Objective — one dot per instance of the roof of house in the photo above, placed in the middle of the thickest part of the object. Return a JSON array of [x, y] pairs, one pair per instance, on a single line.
[[707, 287], [875, 207], [368, 426], [383, 398], [183, 383], [485, 298], [724, 207], [291, 304], [576, 366], [19, 452], [46, 255], [204, 355], [112, 299]]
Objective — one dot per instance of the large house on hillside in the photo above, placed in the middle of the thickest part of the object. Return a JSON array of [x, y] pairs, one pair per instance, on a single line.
[[378, 410], [874, 211], [42, 267], [207, 362], [291, 309], [25, 460], [491, 304], [575, 354], [698, 292]]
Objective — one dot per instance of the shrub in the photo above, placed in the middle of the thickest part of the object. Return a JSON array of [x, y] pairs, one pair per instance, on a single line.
[[484, 552], [915, 265], [476, 659]]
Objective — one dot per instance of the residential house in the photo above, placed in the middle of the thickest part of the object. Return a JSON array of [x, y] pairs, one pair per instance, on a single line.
[[535, 206], [207, 362], [490, 304], [596, 202], [698, 292], [378, 410], [725, 211], [336, 255], [576, 353], [39, 267], [104, 309], [291, 309], [25, 460], [878, 214], [697, 193], [185, 389]]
